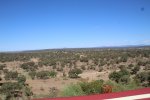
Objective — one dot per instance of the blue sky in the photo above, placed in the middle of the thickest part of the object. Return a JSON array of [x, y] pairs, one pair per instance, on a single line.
[[44, 24]]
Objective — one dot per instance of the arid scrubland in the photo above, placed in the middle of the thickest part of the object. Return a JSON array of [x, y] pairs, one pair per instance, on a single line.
[[72, 72]]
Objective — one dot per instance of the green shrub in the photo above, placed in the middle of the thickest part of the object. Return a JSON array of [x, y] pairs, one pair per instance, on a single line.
[[125, 72], [115, 86], [135, 69], [130, 66], [42, 75], [118, 87], [59, 69], [11, 75], [74, 73], [148, 79], [83, 59], [5, 71], [28, 92], [83, 67], [8, 88], [29, 66], [115, 76], [21, 79], [143, 78], [141, 63], [125, 79], [132, 85], [121, 76], [53, 92], [124, 58], [122, 67], [72, 90], [52, 74], [100, 69], [92, 87], [32, 74], [2, 66], [147, 67]]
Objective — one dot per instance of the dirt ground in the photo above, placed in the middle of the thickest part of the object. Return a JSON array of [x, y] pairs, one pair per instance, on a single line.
[[40, 86], [94, 75], [43, 86]]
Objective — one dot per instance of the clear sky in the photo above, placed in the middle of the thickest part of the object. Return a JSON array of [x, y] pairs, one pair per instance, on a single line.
[[45, 24]]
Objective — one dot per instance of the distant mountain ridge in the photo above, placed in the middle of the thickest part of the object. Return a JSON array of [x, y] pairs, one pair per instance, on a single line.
[[84, 48]]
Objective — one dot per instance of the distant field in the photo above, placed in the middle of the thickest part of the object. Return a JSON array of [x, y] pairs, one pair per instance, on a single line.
[[52, 73]]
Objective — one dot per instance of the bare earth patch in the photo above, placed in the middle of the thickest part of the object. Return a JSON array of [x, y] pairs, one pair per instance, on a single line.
[[43, 86], [94, 75]]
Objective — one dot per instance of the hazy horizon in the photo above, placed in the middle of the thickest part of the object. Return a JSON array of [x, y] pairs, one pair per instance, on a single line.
[[100, 47], [50, 24]]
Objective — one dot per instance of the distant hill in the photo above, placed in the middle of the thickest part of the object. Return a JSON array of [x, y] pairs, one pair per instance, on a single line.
[[84, 49]]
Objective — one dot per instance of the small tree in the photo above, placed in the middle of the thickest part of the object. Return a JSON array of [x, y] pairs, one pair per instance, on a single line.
[[52, 74], [5, 71], [147, 67], [21, 79], [124, 58], [11, 75], [43, 74], [130, 66], [2, 66], [29, 66], [125, 72], [125, 79], [83, 67], [74, 73], [32, 74], [135, 69], [0, 78], [120, 76], [148, 79], [92, 87], [8, 89], [28, 92], [53, 92], [83, 59], [115, 76], [142, 76]]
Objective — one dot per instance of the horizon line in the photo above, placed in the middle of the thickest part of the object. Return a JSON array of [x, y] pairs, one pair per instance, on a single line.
[[117, 46]]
